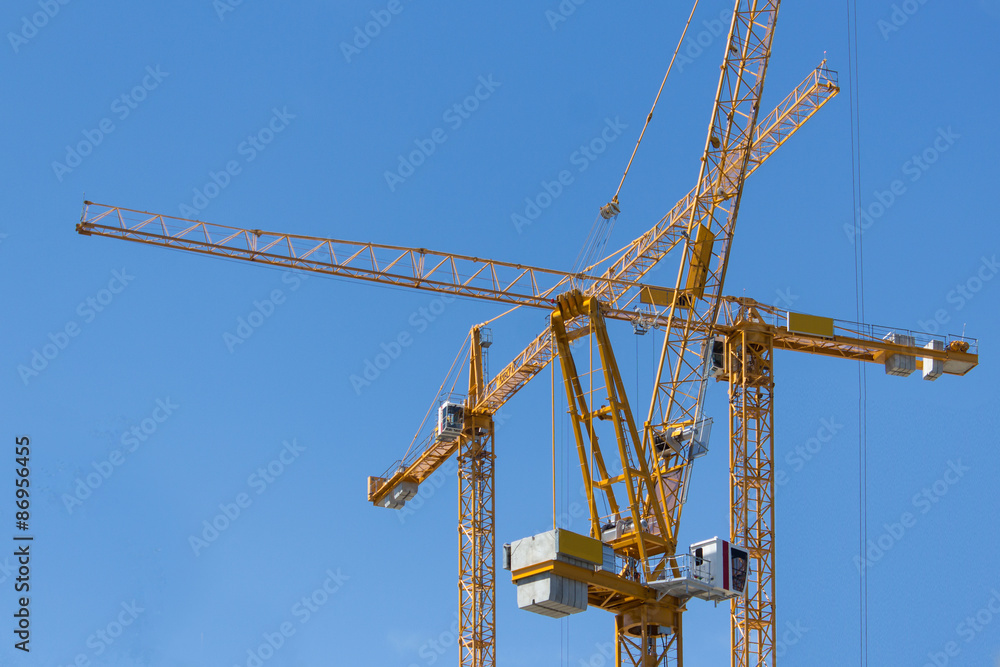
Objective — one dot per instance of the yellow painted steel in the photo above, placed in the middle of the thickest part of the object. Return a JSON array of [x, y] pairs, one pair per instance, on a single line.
[[648, 627], [478, 641], [749, 365], [631, 592], [681, 374], [700, 227], [580, 546], [476, 525], [810, 324], [701, 259], [641, 476], [657, 296]]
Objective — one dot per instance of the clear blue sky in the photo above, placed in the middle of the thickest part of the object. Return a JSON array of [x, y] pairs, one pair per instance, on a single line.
[[146, 105]]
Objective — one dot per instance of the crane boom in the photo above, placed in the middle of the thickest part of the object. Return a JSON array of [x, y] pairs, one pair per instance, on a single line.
[[818, 88], [841, 339], [643, 253], [632, 264], [450, 273], [399, 266], [682, 374], [708, 234]]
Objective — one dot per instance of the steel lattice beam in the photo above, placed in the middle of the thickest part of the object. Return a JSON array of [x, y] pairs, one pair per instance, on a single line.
[[751, 485], [477, 562]]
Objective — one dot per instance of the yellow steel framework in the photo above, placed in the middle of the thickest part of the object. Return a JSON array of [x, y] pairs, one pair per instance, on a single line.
[[647, 629], [477, 553], [844, 339], [682, 374], [694, 304], [640, 474], [642, 254], [452, 273], [692, 314], [470, 276], [749, 365]]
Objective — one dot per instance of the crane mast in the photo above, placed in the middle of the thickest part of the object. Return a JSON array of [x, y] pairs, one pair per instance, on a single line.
[[477, 552], [681, 374], [678, 399]]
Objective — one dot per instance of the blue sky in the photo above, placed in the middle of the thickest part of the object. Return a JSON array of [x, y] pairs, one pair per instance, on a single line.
[[164, 108]]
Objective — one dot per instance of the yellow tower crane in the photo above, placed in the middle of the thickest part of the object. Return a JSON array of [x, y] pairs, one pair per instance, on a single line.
[[634, 569], [529, 286], [742, 320], [473, 277]]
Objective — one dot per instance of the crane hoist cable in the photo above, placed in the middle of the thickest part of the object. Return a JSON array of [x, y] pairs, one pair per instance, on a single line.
[[614, 200], [859, 291], [604, 223], [494, 319], [552, 368], [606, 258]]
